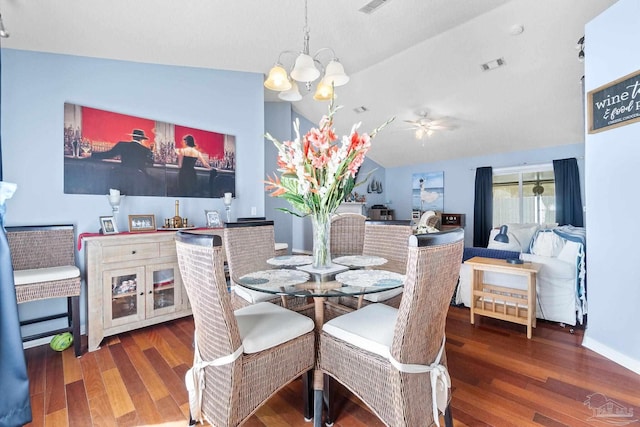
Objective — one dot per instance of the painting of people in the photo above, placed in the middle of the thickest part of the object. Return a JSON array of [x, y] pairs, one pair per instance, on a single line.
[[144, 157]]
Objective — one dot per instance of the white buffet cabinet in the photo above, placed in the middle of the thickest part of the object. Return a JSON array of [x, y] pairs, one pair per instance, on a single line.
[[132, 281]]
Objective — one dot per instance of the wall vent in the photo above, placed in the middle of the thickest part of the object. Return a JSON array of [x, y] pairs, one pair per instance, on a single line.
[[372, 6], [492, 65]]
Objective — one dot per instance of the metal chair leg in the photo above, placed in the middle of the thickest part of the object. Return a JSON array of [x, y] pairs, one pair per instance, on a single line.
[[307, 394], [328, 420], [75, 324], [448, 418]]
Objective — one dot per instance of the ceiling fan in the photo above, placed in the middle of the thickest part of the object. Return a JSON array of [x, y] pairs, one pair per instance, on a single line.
[[424, 126]]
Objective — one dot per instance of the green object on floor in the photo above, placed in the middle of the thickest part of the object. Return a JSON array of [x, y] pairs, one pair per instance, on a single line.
[[62, 341]]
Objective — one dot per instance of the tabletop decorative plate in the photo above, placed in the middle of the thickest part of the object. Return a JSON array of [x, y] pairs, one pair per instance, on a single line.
[[290, 260], [363, 278], [360, 260], [274, 278]]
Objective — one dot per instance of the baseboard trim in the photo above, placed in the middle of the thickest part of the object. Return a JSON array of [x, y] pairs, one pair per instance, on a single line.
[[611, 354]]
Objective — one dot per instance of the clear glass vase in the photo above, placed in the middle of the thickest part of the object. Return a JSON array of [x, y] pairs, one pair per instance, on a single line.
[[321, 241]]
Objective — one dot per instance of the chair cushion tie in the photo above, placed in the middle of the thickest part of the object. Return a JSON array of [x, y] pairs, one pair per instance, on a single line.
[[440, 380], [194, 378]]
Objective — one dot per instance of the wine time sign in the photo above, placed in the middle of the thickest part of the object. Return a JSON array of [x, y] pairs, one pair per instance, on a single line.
[[614, 104]]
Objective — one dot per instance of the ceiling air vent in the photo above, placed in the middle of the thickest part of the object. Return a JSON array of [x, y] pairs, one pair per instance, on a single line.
[[372, 6], [492, 65]]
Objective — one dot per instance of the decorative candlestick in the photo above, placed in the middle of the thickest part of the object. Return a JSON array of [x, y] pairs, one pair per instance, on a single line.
[[177, 219], [115, 198], [227, 205]]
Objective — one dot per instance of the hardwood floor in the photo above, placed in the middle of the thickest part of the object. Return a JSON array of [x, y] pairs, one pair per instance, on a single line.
[[500, 378]]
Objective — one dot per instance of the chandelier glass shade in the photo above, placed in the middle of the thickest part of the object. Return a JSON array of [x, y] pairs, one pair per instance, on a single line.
[[306, 70]]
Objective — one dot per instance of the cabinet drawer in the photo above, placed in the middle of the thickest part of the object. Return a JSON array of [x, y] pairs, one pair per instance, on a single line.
[[168, 248], [130, 252]]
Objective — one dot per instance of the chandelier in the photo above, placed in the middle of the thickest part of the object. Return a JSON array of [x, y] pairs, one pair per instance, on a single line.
[[306, 70]]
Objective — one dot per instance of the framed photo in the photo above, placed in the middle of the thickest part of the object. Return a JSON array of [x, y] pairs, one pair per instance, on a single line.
[[139, 223], [108, 225], [213, 219]]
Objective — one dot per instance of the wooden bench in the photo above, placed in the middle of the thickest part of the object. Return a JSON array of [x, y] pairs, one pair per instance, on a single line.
[[43, 259]]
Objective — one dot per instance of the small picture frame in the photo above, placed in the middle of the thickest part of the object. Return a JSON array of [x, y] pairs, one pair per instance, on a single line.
[[108, 225], [213, 218], [140, 223]]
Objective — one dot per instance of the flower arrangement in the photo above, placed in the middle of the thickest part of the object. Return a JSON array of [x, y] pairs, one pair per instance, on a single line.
[[318, 170]]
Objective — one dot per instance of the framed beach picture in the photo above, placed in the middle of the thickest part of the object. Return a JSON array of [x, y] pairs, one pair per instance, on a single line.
[[139, 223], [213, 218], [427, 192], [108, 225]]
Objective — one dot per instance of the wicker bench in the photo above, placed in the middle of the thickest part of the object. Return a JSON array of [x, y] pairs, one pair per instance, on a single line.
[[43, 259]]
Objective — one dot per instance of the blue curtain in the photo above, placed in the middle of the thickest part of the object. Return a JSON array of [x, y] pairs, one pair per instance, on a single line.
[[15, 405], [568, 195], [483, 207], [0, 115]]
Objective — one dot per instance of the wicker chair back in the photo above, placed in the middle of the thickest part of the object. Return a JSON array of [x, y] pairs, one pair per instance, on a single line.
[[347, 234], [248, 244], [388, 240]]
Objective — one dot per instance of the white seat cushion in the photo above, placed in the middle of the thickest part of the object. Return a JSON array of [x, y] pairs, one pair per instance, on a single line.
[[281, 246], [49, 274], [265, 325], [384, 295], [370, 328], [253, 296]]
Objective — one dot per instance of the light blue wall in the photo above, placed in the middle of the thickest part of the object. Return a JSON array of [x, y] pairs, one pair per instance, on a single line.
[[35, 87], [277, 122], [612, 161], [459, 178]]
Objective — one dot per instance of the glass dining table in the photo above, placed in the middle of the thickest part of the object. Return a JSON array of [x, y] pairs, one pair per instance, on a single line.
[[295, 277]]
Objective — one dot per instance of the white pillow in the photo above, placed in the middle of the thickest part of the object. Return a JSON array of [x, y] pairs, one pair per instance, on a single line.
[[524, 233], [547, 243], [520, 236], [569, 252], [511, 246]]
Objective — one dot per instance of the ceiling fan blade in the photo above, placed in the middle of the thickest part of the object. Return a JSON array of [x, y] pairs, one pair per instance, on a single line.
[[438, 127]]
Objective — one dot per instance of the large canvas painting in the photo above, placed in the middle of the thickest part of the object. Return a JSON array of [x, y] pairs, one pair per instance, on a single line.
[[428, 191], [144, 157]]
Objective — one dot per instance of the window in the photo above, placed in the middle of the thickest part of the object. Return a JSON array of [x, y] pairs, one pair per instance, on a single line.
[[524, 194]]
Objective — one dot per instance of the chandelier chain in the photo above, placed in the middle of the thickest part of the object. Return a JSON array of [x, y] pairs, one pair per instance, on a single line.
[[305, 48]]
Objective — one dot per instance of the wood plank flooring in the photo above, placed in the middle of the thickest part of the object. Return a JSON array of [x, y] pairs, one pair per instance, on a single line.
[[499, 377]]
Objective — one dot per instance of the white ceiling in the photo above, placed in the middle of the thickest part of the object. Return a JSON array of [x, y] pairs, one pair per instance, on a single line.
[[409, 55]]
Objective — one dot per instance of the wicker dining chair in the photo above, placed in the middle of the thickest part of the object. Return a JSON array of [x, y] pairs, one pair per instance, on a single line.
[[388, 357], [44, 267], [386, 239], [347, 234], [241, 357], [248, 246]]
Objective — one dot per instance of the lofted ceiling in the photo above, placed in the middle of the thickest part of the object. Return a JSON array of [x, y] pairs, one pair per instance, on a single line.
[[408, 56]]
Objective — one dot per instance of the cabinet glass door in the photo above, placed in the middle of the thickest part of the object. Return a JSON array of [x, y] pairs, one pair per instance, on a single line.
[[165, 292], [124, 296]]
